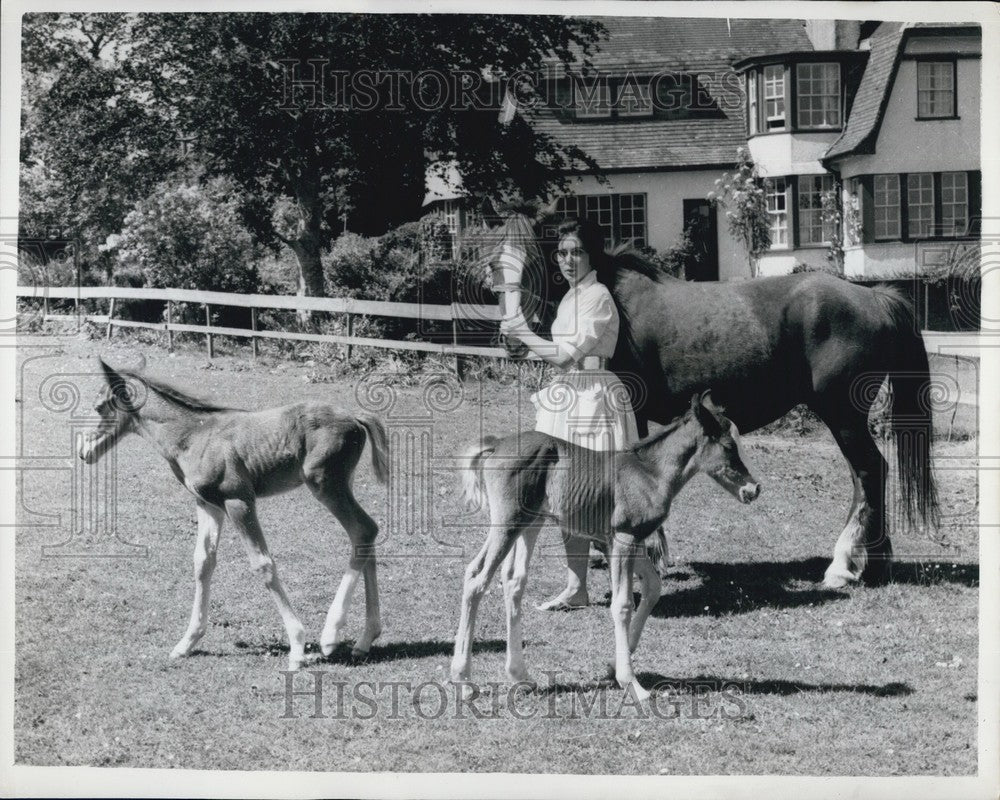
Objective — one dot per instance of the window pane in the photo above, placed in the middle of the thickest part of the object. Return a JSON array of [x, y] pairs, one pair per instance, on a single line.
[[597, 207], [886, 206], [818, 88], [920, 204], [935, 89], [634, 98], [813, 229], [593, 98], [774, 96], [954, 203], [777, 209], [632, 219]]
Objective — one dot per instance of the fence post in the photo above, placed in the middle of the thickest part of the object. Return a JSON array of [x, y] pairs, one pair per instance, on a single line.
[[350, 334], [170, 333], [111, 314], [208, 324], [45, 307], [253, 327]]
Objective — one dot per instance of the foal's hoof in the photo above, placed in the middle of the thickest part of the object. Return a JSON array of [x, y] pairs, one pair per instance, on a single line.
[[359, 656], [466, 690], [295, 663], [181, 650]]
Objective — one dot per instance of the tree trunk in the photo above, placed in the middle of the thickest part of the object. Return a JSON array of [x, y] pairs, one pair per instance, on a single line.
[[307, 244]]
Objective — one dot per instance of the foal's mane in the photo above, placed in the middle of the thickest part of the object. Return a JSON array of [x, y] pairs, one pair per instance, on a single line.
[[175, 395], [668, 429]]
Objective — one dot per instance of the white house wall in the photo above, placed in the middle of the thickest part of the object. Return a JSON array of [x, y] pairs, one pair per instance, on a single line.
[[778, 154], [906, 144], [665, 196]]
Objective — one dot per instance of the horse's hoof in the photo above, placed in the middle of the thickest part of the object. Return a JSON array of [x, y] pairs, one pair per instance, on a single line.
[[327, 648], [182, 650], [838, 580], [466, 690], [358, 656], [295, 663]]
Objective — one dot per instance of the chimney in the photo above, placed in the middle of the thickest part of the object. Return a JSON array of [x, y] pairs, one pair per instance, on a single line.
[[833, 34]]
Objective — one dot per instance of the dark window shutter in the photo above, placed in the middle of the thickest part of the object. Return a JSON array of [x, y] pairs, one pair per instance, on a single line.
[[975, 203]]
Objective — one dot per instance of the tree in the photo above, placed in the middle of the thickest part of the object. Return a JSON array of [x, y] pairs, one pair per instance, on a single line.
[[90, 146], [355, 147]]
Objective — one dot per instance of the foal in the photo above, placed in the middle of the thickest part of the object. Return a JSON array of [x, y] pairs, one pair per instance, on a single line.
[[227, 458], [529, 477]]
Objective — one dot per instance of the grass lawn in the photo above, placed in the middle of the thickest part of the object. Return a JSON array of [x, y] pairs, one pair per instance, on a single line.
[[758, 669]]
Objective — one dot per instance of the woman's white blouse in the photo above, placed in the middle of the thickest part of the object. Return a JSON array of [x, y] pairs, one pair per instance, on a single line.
[[586, 323]]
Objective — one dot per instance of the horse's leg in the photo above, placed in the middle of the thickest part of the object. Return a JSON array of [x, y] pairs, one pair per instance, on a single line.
[[863, 546], [243, 515], [515, 579], [332, 487], [650, 595], [657, 549], [210, 521], [621, 562], [478, 575], [577, 560]]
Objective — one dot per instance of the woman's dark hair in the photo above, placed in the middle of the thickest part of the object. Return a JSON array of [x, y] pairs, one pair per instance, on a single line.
[[591, 236]]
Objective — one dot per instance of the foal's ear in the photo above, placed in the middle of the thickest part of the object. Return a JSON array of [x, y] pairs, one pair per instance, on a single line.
[[122, 390], [704, 413]]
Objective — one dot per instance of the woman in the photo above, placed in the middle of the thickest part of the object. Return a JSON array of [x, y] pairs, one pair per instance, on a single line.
[[586, 404]]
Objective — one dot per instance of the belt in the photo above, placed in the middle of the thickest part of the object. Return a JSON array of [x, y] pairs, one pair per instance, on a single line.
[[594, 362]]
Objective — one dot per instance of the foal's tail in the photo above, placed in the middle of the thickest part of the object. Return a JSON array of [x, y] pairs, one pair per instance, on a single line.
[[471, 472], [911, 415], [380, 446]]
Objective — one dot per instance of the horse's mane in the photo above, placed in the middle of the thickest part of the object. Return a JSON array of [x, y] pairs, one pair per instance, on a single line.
[[173, 394], [663, 433], [626, 258]]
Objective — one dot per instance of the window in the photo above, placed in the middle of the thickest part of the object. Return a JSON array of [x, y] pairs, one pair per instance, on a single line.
[[954, 203], [622, 217], [886, 206], [935, 89], [774, 97], [777, 209], [634, 99], [920, 204], [813, 229], [632, 219], [818, 87], [752, 100], [593, 98]]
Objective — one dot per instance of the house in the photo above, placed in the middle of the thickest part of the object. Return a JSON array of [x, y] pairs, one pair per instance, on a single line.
[[889, 122], [872, 125]]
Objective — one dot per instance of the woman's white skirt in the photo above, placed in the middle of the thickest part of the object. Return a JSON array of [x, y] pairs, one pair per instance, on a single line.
[[590, 408]]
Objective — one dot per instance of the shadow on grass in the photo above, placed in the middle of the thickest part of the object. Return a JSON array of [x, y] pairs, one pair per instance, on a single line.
[[397, 651], [743, 587], [661, 684]]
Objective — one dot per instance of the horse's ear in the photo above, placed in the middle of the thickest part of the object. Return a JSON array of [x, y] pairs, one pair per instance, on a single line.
[[111, 376], [705, 415]]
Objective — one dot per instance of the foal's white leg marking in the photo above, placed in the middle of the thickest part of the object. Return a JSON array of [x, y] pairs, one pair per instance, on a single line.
[[621, 563], [210, 521], [244, 517], [650, 595], [478, 575], [336, 617], [515, 579]]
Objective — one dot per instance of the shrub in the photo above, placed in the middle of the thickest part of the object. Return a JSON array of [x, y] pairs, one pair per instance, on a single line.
[[190, 237]]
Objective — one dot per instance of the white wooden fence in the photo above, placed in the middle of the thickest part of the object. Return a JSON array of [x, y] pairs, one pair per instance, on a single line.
[[455, 313]]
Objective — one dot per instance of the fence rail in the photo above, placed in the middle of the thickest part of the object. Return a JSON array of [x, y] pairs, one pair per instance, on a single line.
[[455, 313], [952, 343]]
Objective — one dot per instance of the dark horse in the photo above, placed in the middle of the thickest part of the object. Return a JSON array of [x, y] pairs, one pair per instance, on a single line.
[[764, 346]]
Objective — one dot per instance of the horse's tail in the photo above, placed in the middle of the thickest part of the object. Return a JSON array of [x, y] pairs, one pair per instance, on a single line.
[[380, 446], [911, 414], [471, 472]]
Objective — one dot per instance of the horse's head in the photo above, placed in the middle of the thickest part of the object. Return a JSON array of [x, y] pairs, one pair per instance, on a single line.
[[117, 406], [717, 450], [518, 273]]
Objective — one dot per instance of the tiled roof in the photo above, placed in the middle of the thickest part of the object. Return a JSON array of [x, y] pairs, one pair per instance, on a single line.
[[653, 45], [873, 93]]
